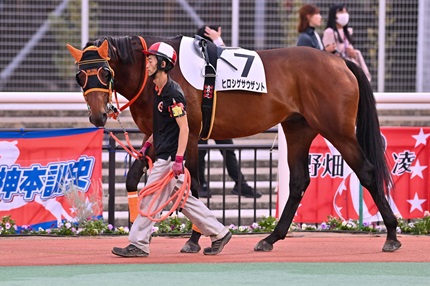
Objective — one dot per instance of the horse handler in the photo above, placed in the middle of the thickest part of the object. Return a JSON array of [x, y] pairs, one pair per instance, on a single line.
[[169, 139]]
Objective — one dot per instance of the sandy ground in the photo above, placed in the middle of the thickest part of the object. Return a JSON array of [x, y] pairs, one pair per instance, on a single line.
[[297, 247]]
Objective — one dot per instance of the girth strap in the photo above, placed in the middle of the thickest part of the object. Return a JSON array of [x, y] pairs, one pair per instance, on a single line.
[[209, 51]]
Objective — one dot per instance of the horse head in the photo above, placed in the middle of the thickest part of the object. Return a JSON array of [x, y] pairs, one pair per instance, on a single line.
[[95, 76]]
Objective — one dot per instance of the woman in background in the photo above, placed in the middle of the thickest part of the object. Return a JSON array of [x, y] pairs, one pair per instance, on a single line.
[[338, 32], [309, 19]]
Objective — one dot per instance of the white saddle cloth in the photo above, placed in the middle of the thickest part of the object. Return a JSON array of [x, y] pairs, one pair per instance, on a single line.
[[249, 76]]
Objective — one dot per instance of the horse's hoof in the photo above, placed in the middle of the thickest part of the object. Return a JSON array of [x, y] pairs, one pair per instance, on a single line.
[[391, 245], [263, 245], [190, 247]]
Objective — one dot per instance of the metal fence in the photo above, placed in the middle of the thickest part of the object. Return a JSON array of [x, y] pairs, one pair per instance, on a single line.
[[391, 34], [229, 209]]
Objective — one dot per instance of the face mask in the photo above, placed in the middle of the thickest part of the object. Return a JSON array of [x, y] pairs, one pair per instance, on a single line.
[[342, 19]]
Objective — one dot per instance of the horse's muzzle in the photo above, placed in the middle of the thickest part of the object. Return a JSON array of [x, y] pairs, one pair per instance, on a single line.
[[98, 121]]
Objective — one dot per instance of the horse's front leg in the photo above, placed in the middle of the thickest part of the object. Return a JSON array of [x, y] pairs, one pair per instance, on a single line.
[[298, 185], [299, 138], [192, 164], [134, 175]]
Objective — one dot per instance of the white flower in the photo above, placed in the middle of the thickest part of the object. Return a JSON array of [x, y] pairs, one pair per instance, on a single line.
[[7, 225], [304, 226], [255, 225], [182, 227], [242, 228], [68, 225], [351, 224], [398, 229], [232, 226]]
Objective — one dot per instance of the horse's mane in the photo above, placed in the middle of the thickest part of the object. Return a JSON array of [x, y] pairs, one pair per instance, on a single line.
[[120, 48]]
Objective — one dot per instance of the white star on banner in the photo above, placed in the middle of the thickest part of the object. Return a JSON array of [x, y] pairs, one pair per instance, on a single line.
[[421, 138], [416, 203], [417, 170]]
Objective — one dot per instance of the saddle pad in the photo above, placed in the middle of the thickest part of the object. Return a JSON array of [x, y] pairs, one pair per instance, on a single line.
[[249, 76]]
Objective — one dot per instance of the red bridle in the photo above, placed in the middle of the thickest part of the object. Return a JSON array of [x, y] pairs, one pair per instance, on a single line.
[[115, 114]]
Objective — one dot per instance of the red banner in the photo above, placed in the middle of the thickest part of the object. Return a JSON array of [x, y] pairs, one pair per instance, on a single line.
[[39, 171], [335, 190]]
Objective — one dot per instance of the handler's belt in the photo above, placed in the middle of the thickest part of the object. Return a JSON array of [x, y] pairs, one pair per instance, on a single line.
[[210, 54]]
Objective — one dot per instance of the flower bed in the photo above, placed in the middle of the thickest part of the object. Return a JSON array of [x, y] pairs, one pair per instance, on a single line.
[[182, 226]]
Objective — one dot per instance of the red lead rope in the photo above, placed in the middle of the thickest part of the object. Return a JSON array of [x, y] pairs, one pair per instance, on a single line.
[[155, 189]]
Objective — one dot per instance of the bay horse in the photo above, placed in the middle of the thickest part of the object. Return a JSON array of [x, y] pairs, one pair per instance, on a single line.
[[309, 92]]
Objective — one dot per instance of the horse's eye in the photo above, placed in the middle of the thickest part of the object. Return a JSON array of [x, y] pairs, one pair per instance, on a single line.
[[104, 74], [82, 78]]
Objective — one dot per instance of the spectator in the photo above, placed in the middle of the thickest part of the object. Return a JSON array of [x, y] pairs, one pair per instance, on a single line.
[[309, 19], [338, 32], [213, 33]]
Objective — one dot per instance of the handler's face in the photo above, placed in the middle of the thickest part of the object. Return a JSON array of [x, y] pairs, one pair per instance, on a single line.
[[151, 65]]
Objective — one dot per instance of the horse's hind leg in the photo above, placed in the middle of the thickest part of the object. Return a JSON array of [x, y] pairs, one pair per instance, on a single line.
[[365, 171], [299, 138]]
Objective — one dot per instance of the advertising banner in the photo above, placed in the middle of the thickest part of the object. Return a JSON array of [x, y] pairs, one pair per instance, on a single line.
[[335, 190], [50, 176]]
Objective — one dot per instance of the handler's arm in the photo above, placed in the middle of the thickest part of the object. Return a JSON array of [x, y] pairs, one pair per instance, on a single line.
[[183, 134]]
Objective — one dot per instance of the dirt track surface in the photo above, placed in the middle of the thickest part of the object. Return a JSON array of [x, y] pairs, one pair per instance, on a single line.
[[297, 247]]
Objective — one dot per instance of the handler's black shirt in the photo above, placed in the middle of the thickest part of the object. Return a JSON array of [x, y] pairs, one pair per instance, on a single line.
[[166, 130]]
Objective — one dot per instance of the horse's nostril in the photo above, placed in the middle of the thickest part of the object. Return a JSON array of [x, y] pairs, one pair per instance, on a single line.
[[98, 121]]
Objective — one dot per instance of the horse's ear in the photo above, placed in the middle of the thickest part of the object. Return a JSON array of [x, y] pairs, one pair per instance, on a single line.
[[77, 54], [103, 50]]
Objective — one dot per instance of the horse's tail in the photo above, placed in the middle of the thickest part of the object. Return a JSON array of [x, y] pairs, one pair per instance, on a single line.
[[368, 129]]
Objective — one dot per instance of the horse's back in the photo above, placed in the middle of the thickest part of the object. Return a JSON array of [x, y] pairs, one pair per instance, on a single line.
[[299, 80], [305, 70], [304, 62]]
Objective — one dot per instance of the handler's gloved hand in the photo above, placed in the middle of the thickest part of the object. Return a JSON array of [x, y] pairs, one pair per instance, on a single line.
[[178, 166], [145, 149]]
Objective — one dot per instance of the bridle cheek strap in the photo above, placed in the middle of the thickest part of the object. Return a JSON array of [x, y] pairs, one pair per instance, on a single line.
[[145, 78]]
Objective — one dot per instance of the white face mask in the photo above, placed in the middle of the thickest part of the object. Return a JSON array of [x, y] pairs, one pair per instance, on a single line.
[[342, 19]]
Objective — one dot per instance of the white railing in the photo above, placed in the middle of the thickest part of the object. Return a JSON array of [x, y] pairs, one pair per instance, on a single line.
[[75, 100]]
